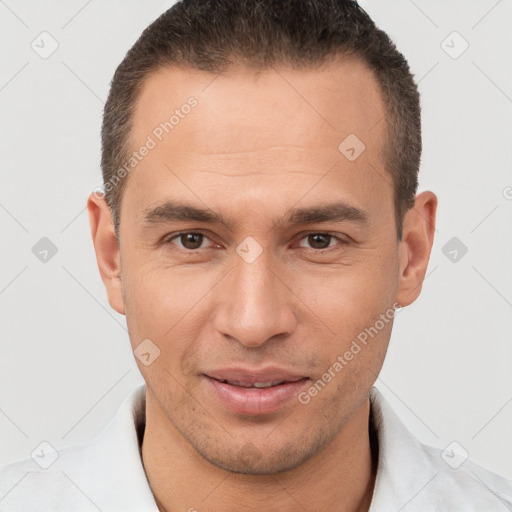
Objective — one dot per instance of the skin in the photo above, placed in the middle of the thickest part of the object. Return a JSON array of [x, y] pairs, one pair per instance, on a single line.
[[257, 145]]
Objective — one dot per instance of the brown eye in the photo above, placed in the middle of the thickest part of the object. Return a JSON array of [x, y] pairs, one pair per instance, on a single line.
[[319, 240], [190, 241]]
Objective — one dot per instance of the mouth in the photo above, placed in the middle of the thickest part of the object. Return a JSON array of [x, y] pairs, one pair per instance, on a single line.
[[254, 392], [260, 385]]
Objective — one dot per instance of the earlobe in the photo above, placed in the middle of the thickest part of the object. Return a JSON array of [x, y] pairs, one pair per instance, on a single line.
[[107, 250], [415, 247]]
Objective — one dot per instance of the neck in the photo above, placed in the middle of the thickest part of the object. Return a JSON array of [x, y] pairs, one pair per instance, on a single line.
[[340, 478]]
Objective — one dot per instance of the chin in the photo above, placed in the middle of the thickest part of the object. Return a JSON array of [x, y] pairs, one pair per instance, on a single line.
[[248, 459]]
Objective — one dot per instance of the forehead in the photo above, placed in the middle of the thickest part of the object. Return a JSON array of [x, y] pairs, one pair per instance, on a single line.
[[332, 100], [277, 130]]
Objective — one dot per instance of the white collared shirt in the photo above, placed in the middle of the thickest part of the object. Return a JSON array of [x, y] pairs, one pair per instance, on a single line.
[[107, 474]]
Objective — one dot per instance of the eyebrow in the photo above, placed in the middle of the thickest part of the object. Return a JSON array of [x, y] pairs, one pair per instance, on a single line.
[[335, 212], [173, 211], [177, 211]]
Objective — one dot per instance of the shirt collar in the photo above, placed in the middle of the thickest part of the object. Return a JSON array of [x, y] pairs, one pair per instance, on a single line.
[[408, 472], [396, 450], [389, 447]]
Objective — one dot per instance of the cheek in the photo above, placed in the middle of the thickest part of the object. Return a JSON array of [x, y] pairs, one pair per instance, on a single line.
[[158, 296], [169, 307], [356, 304], [349, 299]]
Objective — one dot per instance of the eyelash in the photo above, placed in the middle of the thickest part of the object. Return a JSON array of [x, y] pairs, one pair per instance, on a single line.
[[168, 240]]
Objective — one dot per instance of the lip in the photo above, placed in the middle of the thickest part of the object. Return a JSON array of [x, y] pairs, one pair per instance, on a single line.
[[251, 400], [250, 376]]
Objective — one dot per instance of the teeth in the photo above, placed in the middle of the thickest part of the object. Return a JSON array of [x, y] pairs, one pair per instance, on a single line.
[[256, 384], [266, 384]]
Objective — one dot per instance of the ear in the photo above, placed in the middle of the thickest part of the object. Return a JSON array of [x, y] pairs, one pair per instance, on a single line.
[[108, 256], [415, 247]]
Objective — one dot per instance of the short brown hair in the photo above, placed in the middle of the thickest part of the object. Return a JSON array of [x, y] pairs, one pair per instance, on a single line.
[[212, 35]]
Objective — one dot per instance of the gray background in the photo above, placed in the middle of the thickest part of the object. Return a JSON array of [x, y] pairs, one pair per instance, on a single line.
[[66, 362]]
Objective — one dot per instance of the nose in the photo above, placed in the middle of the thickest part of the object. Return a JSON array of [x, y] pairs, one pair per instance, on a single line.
[[255, 304]]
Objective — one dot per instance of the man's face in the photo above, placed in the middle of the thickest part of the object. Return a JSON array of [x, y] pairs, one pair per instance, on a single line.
[[265, 295]]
